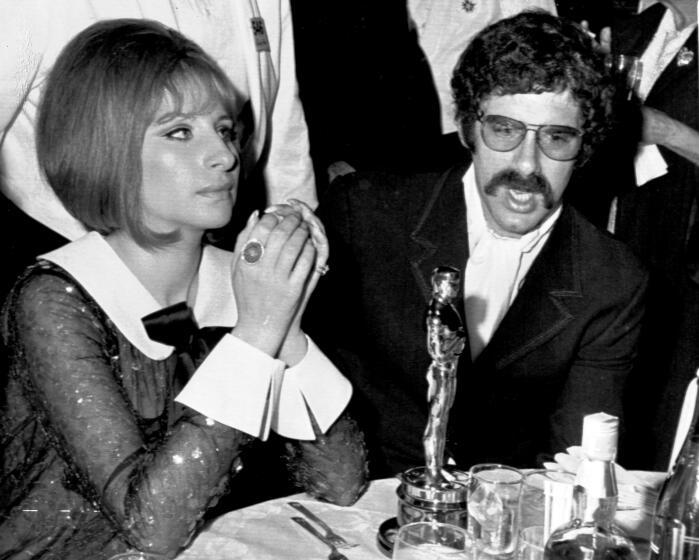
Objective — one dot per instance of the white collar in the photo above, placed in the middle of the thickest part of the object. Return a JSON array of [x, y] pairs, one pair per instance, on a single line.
[[645, 4], [477, 225], [100, 271]]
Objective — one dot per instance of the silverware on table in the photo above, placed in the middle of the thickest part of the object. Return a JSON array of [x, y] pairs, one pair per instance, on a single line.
[[334, 553], [330, 535]]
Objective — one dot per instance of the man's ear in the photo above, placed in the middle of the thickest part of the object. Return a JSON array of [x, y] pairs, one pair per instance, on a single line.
[[465, 140]]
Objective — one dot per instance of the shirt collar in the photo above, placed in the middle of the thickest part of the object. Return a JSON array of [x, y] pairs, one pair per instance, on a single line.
[[477, 225], [99, 270], [645, 4]]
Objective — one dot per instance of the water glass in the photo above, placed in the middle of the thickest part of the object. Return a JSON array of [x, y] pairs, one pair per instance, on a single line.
[[493, 508], [430, 540], [627, 71], [532, 541], [548, 499]]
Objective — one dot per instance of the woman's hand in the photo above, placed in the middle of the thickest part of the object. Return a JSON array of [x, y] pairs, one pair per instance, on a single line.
[[294, 346], [270, 287], [660, 128], [272, 293]]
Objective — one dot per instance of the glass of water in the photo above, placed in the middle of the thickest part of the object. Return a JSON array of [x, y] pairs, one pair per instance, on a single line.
[[430, 540], [627, 71], [494, 495]]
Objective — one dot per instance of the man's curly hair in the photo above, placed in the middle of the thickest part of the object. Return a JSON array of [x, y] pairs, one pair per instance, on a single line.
[[534, 52]]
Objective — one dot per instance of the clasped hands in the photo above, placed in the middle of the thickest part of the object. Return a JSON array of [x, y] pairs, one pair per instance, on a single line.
[[273, 285]]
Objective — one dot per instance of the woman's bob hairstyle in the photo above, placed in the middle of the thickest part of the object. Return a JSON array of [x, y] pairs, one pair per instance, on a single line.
[[100, 97]]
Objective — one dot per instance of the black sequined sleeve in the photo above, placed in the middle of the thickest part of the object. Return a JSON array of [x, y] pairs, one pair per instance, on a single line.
[[152, 485]]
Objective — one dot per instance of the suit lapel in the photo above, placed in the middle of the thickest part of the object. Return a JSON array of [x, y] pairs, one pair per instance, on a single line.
[[541, 309], [440, 237], [634, 38], [673, 73]]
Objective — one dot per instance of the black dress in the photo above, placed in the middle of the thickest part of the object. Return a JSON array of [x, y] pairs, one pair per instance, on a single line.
[[98, 457]]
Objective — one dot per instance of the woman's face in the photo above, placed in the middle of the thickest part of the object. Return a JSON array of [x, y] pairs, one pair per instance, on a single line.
[[190, 167]]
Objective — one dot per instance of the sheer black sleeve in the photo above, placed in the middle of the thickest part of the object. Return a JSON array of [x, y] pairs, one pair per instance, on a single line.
[[107, 411]]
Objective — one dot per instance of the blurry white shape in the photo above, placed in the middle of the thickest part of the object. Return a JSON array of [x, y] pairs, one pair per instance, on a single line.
[[685, 421], [649, 164]]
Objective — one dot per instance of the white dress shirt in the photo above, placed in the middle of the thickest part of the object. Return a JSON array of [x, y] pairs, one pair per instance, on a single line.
[[237, 384], [496, 267], [445, 29]]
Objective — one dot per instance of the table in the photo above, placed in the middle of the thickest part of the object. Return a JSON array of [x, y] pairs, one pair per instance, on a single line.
[[265, 531]]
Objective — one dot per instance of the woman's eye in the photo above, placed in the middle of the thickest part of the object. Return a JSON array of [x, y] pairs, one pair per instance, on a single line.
[[228, 133], [180, 134]]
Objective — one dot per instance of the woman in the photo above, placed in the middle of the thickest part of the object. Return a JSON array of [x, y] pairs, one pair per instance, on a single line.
[[143, 362]]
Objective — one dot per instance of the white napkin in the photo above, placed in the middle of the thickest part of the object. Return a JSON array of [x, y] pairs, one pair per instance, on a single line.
[[685, 421], [637, 489], [649, 164]]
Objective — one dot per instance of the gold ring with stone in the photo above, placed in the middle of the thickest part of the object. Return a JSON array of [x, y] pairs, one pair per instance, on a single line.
[[252, 251], [322, 269]]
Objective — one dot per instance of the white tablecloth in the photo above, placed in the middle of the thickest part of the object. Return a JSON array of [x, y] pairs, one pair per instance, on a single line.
[[265, 531]]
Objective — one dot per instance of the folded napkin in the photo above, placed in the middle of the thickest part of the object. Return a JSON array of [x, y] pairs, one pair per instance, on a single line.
[[637, 489], [649, 164]]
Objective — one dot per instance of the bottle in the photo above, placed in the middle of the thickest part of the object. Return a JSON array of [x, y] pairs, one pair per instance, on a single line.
[[592, 534], [675, 533]]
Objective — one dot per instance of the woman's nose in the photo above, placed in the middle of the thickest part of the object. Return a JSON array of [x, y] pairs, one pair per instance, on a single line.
[[223, 154]]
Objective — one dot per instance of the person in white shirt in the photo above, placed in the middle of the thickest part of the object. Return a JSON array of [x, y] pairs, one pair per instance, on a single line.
[[656, 213], [142, 362], [444, 30]]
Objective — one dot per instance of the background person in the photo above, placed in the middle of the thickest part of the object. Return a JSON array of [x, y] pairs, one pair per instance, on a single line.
[[656, 214]]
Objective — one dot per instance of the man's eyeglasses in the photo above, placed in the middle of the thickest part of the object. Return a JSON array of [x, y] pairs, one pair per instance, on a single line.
[[503, 134]]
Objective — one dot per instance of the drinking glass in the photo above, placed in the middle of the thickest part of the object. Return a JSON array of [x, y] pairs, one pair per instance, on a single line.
[[627, 71], [493, 499], [430, 540], [532, 541], [548, 499]]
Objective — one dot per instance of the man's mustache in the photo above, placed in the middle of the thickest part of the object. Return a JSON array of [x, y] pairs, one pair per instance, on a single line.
[[512, 179]]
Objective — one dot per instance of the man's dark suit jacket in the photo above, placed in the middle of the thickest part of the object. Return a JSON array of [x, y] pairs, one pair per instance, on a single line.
[[660, 222], [563, 349]]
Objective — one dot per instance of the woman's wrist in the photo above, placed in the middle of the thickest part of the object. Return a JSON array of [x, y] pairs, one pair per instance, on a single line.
[[265, 338], [294, 347]]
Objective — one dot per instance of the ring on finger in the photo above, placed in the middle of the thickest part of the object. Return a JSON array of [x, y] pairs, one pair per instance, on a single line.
[[252, 251], [322, 269]]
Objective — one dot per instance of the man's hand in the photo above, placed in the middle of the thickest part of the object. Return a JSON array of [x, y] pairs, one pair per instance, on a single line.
[[659, 128], [604, 43]]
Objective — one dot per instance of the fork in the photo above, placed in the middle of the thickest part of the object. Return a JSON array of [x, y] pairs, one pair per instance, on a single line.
[[334, 553], [330, 535]]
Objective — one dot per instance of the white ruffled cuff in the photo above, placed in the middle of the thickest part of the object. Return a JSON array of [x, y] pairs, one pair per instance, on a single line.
[[242, 387], [313, 384]]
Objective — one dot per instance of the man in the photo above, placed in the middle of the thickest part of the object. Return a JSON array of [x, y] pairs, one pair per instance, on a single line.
[[552, 305]]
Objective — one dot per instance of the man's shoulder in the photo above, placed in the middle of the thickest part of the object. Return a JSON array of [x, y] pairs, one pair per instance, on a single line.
[[378, 185], [601, 253], [368, 194]]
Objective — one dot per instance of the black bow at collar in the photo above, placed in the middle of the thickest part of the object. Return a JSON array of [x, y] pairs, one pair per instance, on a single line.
[[175, 326]]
